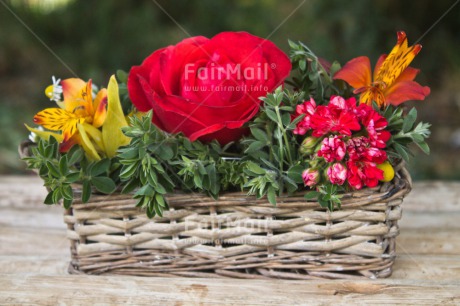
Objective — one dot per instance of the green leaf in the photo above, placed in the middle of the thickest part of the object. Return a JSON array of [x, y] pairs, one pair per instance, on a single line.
[[198, 181], [72, 177], [424, 147], [271, 195], [57, 195], [67, 192], [86, 191], [254, 168], [311, 195], [122, 76], [402, 151], [75, 155], [130, 186], [158, 210], [100, 167], [164, 152], [334, 67], [43, 171], [49, 198], [409, 120], [286, 119], [103, 184], [53, 169], [146, 190], [255, 146], [417, 137], [152, 177], [63, 167], [160, 189], [302, 64], [259, 134], [295, 173], [272, 115], [128, 171], [214, 186], [67, 203], [150, 209], [323, 203], [290, 184], [128, 153], [160, 200]]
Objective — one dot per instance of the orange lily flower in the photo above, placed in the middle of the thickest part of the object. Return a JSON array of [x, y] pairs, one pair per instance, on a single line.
[[393, 79], [78, 117]]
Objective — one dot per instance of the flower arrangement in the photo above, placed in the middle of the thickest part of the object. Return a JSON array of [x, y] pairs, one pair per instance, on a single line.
[[218, 115]]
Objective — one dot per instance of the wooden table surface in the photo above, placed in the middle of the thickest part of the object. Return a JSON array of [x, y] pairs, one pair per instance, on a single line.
[[34, 255]]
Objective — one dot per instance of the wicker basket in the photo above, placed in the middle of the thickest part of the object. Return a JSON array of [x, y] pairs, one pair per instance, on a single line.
[[239, 236]]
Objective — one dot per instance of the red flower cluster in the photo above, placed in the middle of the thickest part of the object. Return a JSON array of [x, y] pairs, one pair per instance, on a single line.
[[350, 141]]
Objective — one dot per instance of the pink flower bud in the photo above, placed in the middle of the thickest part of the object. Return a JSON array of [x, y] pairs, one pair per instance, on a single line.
[[310, 177], [337, 174]]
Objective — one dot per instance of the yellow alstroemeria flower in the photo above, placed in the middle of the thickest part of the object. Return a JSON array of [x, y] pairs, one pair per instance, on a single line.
[[392, 81], [112, 135], [78, 112]]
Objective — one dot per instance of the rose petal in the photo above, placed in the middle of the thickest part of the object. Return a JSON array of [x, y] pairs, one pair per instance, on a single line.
[[173, 61], [136, 90]]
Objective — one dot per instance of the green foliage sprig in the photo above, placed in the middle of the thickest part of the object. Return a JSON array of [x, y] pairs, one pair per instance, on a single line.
[[155, 163], [313, 77], [405, 132], [60, 171], [272, 148]]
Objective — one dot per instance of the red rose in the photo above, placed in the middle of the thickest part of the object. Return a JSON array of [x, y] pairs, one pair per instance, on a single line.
[[208, 88]]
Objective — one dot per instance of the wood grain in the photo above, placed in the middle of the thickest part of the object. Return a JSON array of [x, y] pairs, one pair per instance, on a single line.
[[33, 271]]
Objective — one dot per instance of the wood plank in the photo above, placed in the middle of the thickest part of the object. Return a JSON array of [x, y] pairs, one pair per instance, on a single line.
[[21, 191], [38, 241], [433, 197], [427, 267], [429, 220], [429, 241], [39, 289], [444, 268], [47, 264]]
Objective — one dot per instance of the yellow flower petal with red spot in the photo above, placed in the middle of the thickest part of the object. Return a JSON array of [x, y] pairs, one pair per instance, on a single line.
[[86, 96], [397, 61], [71, 90], [57, 119], [100, 108], [45, 135]]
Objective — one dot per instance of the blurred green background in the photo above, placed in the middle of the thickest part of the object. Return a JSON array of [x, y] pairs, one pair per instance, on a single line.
[[92, 39]]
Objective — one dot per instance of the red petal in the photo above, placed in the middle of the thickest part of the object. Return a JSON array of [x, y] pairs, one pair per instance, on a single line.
[[136, 89], [208, 114], [173, 60], [404, 91], [356, 72], [224, 135]]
